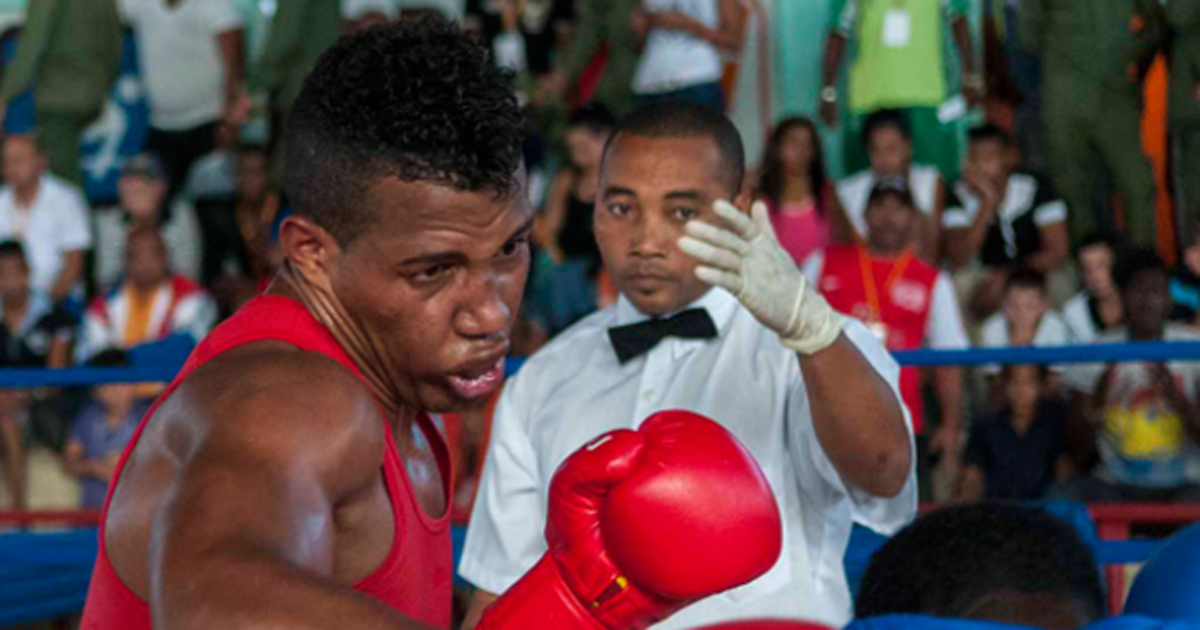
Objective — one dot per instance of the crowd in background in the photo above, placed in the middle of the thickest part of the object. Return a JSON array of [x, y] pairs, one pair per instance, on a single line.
[[970, 174]]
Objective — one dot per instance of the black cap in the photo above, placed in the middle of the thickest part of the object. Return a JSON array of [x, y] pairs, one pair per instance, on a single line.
[[144, 165], [893, 186]]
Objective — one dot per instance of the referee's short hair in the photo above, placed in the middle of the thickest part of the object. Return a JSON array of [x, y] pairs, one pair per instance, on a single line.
[[682, 119]]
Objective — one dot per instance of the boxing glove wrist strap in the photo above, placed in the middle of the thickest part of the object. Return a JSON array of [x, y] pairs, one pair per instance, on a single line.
[[540, 599]]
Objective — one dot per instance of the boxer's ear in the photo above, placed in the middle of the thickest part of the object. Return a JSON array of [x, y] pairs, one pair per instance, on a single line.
[[309, 248]]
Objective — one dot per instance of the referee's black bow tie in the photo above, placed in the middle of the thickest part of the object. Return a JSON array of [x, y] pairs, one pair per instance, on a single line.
[[634, 340]]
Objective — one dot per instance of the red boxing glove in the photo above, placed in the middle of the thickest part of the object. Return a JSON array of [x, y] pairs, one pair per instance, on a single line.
[[642, 524], [766, 624]]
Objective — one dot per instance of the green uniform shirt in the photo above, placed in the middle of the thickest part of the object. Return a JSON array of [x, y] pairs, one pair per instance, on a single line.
[[299, 33], [69, 53], [1088, 45], [605, 22], [899, 62], [1183, 17]]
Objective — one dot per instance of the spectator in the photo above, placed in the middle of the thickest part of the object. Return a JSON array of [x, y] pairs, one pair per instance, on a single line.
[[989, 562], [150, 305], [1092, 54], [48, 216], [523, 34], [142, 195], [567, 222], [1026, 318], [34, 334], [257, 205], [1184, 107], [1097, 308], [1145, 414], [360, 14], [1185, 283], [890, 150], [99, 435], [1018, 453], [602, 39], [805, 211], [565, 288], [899, 65], [300, 31], [684, 44], [907, 303], [69, 53], [1007, 218], [192, 55]]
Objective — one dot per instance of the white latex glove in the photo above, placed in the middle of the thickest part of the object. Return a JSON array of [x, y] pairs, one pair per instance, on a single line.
[[750, 263]]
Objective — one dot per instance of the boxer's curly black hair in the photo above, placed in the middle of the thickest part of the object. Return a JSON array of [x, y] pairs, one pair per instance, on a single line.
[[967, 561], [420, 101]]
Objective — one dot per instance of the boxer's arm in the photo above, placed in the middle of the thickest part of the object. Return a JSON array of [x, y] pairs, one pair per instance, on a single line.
[[245, 535]]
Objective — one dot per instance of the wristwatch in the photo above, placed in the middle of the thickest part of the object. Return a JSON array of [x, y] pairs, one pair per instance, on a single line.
[[829, 94]]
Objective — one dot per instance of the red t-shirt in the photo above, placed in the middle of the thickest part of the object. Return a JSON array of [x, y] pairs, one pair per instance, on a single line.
[[416, 577], [894, 299]]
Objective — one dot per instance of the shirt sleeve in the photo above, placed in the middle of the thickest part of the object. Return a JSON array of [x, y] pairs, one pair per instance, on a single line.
[[955, 215], [31, 47], [944, 330], [1048, 208], [956, 8], [813, 266], [128, 10], [1083, 378], [843, 14], [817, 475], [504, 538], [221, 15], [75, 231], [195, 316]]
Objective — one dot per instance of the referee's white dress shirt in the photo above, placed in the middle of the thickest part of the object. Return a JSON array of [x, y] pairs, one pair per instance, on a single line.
[[574, 389]]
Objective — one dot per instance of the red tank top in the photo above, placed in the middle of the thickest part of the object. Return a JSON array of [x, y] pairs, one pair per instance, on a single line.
[[904, 299], [416, 577]]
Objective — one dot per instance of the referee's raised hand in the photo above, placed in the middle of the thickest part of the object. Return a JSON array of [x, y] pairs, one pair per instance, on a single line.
[[745, 258]]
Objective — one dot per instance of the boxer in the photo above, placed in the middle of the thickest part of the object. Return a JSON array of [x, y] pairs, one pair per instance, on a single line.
[[290, 477]]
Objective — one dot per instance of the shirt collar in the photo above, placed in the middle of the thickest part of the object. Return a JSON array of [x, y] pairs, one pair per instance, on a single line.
[[720, 305]]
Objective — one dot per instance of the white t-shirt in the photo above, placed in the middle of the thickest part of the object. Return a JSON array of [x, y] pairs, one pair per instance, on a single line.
[[855, 191], [181, 61], [55, 224], [1077, 315], [944, 329], [1051, 331], [673, 60], [185, 245], [574, 389], [1142, 440]]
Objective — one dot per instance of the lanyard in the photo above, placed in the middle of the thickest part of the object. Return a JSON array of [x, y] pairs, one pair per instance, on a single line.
[[868, 278]]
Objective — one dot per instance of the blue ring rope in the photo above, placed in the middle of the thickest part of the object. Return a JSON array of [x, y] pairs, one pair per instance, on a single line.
[[1099, 353]]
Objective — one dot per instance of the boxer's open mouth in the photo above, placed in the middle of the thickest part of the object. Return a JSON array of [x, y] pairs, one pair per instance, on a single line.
[[477, 383]]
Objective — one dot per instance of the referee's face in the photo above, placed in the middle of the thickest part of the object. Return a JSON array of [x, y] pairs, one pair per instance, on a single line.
[[649, 189]]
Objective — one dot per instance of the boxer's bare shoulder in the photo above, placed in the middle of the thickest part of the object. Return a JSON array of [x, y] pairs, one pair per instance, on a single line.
[[264, 449]]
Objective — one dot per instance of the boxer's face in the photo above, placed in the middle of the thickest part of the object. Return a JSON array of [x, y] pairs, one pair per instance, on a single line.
[[435, 282], [649, 189]]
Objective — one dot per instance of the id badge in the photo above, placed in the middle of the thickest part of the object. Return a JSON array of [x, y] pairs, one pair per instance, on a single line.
[[897, 28]]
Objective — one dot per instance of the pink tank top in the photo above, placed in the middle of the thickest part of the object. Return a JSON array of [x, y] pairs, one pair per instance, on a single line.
[[416, 577]]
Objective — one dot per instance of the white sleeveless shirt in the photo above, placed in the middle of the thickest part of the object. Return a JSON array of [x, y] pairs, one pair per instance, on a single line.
[[673, 60]]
